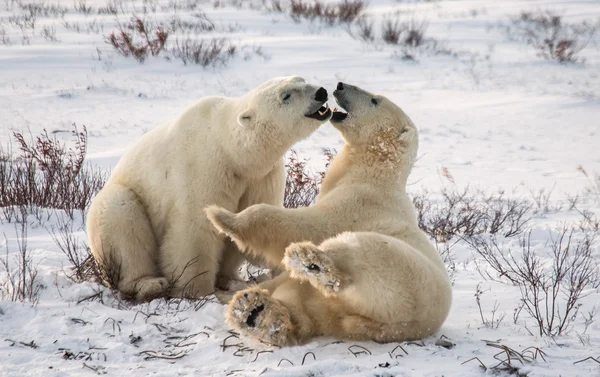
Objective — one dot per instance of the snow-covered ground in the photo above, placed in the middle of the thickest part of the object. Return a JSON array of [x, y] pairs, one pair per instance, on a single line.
[[495, 115]]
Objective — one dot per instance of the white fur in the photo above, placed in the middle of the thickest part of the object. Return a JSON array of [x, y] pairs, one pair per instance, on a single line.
[[374, 274], [146, 226]]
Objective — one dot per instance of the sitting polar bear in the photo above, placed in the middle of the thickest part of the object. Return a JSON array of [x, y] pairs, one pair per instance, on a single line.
[[374, 274], [146, 227]]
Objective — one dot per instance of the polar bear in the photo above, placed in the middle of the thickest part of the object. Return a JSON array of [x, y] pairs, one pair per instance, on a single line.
[[146, 226], [357, 266]]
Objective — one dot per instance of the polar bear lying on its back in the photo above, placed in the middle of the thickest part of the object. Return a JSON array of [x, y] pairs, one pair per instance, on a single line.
[[374, 274], [146, 226]]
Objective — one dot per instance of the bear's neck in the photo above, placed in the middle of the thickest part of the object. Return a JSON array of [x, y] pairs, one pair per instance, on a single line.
[[252, 155], [358, 164]]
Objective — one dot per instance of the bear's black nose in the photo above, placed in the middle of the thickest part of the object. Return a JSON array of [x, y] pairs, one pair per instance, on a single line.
[[321, 95], [340, 86]]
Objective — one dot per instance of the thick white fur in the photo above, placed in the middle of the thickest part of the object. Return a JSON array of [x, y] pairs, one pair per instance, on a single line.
[[146, 226], [374, 274]]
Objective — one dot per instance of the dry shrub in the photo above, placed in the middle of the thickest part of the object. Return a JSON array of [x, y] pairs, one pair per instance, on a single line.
[[81, 6], [43, 9], [553, 38], [405, 32], [301, 185], [551, 288], [49, 33], [138, 38], [18, 278], [215, 51], [398, 29], [201, 24], [48, 175], [84, 266], [469, 212], [593, 188], [365, 29], [345, 11]]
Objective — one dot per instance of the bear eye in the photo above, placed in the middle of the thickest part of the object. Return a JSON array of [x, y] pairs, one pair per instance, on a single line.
[[374, 101], [286, 96]]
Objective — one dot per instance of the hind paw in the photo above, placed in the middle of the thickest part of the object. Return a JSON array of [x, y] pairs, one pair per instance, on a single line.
[[254, 313]]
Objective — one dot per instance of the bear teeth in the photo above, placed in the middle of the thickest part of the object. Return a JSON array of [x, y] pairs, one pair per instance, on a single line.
[[322, 112]]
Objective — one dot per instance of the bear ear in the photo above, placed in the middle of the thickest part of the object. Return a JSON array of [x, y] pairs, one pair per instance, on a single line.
[[246, 118]]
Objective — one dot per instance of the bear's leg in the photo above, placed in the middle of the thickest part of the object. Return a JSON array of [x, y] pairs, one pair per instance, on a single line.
[[361, 328], [265, 230], [229, 265], [124, 245], [191, 266], [268, 190], [305, 261], [279, 315]]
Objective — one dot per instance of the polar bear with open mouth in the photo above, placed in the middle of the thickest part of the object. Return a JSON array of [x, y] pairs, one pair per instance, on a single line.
[[146, 226], [357, 264]]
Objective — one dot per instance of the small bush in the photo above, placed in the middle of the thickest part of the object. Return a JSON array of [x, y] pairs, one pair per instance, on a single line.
[[216, 51], [391, 30], [593, 189], [111, 7], [406, 32], [301, 185], [18, 278], [469, 212], [553, 38], [200, 25], [365, 30], [49, 33], [4, 38], [496, 318], [43, 9], [550, 293], [84, 266], [81, 6], [138, 38], [345, 11], [48, 175]]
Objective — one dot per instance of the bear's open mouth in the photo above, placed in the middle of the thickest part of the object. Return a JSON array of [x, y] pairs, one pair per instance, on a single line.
[[323, 113], [338, 116]]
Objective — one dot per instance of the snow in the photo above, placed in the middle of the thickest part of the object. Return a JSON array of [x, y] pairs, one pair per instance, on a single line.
[[498, 117]]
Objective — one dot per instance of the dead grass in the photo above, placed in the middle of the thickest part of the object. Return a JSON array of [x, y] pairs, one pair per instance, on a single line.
[[83, 266], [552, 37], [593, 188], [18, 272], [301, 185], [468, 212], [139, 38], [346, 11], [509, 361], [405, 31], [205, 52], [48, 174], [550, 293]]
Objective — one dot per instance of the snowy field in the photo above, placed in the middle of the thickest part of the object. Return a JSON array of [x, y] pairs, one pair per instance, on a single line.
[[492, 114]]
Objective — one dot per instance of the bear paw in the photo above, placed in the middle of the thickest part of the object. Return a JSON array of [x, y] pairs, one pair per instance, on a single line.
[[144, 289], [225, 222], [305, 261], [254, 313]]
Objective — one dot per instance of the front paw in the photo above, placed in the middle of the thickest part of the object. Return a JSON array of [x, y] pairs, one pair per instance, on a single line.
[[305, 261], [221, 219]]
